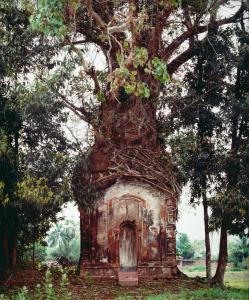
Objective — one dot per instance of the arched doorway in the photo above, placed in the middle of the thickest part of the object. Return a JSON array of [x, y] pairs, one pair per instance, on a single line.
[[128, 246]]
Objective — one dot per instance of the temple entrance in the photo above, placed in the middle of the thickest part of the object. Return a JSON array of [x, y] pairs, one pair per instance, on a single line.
[[128, 247]]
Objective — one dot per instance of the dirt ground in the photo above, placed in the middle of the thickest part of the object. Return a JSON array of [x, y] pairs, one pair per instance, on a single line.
[[100, 289]]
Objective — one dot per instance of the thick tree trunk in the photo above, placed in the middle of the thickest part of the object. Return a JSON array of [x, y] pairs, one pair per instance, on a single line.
[[128, 124], [207, 238], [218, 278]]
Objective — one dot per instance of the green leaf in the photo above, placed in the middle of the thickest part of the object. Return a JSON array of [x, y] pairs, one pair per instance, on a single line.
[[130, 88], [142, 90], [122, 72], [140, 57], [101, 96], [49, 18], [160, 70]]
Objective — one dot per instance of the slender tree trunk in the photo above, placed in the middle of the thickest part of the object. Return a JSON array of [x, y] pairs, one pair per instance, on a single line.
[[33, 255], [2, 258], [14, 253], [12, 243], [81, 239], [5, 250], [207, 238], [218, 278]]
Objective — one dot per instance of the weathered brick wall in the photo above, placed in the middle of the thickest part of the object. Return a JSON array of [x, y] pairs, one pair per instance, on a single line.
[[153, 218]]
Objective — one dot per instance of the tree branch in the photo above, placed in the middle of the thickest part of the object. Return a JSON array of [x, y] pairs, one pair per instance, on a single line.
[[158, 25], [81, 112], [92, 73], [79, 42], [120, 28], [188, 23], [197, 29], [185, 56], [99, 22]]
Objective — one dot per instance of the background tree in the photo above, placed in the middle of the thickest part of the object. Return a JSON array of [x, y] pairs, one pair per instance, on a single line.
[[64, 241], [209, 141], [230, 204], [238, 253], [184, 247], [61, 236], [199, 249], [197, 126], [34, 163]]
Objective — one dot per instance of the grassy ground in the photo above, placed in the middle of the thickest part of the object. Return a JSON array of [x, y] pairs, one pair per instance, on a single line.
[[189, 289], [238, 279]]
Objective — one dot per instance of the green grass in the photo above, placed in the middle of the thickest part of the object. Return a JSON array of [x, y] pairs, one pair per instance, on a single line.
[[236, 269], [239, 280], [212, 293], [233, 278], [237, 288], [199, 294], [195, 269]]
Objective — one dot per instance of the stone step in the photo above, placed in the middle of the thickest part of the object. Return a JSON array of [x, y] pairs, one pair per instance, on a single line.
[[128, 278]]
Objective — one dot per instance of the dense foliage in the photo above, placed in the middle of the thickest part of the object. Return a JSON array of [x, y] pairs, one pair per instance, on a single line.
[[184, 247], [34, 155], [64, 241], [211, 134], [239, 253]]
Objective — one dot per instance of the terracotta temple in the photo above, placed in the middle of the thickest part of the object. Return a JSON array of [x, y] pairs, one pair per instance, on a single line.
[[131, 230]]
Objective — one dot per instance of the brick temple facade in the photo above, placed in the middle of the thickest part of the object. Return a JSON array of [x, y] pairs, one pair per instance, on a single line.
[[132, 229]]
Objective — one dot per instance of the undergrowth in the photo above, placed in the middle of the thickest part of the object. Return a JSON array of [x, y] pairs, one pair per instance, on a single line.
[[43, 291]]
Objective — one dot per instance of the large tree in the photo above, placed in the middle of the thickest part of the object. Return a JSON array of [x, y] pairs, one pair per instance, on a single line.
[[143, 43]]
